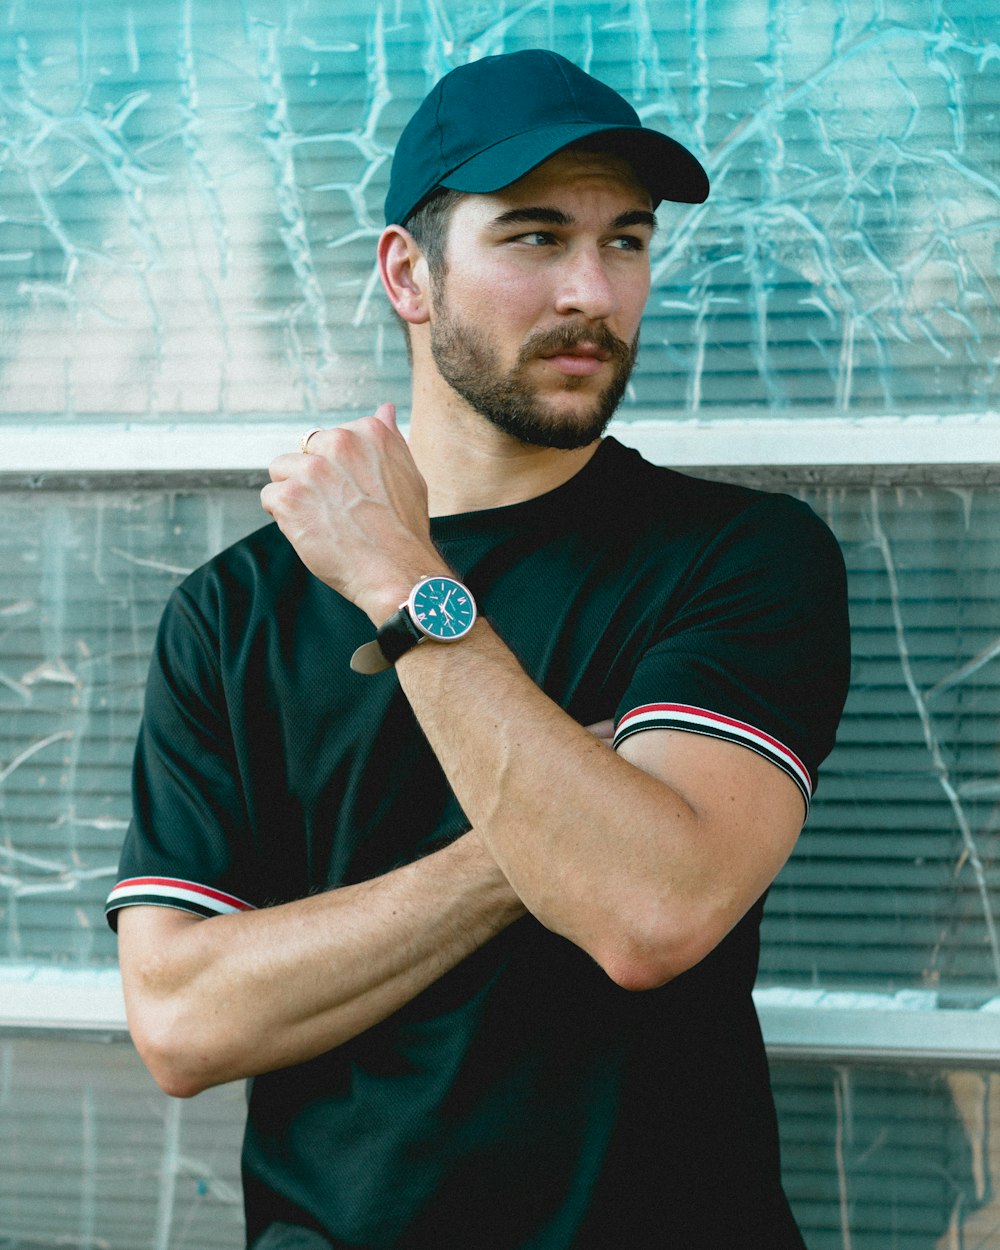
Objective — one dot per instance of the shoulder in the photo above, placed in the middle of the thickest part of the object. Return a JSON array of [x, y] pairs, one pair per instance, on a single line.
[[256, 579], [783, 537], [716, 515], [262, 564], [658, 490]]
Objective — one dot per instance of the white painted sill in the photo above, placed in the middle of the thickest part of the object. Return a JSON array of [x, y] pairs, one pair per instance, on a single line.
[[803, 1025], [227, 446]]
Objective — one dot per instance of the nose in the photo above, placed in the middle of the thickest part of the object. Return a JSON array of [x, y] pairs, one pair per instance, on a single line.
[[585, 287]]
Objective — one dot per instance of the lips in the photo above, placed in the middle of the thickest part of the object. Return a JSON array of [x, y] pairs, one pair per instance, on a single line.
[[575, 351], [584, 350], [580, 361]]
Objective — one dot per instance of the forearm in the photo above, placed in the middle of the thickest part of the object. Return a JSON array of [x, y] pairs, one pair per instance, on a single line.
[[644, 858], [598, 850], [234, 996]]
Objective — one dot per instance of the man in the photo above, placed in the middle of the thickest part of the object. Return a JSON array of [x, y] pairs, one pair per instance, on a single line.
[[491, 978]]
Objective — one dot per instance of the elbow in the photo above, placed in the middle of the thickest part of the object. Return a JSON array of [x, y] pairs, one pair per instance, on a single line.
[[645, 957], [169, 1055], [177, 1083], [640, 969]]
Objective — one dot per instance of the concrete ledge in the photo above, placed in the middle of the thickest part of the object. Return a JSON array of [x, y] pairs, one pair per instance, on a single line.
[[34, 449], [909, 1027], [813, 1026], [61, 1000]]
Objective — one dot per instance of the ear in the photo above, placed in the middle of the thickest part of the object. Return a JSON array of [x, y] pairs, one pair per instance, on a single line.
[[404, 274]]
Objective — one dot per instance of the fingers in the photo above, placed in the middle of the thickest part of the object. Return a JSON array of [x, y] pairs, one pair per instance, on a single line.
[[354, 507], [386, 413], [284, 466], [322, 442]]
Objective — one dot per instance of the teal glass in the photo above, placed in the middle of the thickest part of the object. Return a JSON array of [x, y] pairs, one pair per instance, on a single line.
[[192, 194]]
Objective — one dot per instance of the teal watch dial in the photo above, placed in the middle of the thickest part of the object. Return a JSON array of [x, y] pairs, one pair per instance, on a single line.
[[438, 607], [441, 608]]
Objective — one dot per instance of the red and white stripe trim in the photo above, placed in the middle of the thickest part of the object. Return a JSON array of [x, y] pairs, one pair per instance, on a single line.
[[171, 892], [701, 720]]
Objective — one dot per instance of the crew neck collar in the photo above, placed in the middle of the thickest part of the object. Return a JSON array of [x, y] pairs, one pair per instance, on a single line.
[[550, 504]]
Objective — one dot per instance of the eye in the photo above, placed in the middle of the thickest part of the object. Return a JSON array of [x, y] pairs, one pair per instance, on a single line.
[[535, 238], [629, 243]]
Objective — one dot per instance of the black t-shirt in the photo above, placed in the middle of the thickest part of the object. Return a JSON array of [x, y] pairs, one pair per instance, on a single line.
[[524, 1100]]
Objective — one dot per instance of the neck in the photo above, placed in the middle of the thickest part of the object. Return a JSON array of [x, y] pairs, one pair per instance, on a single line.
[[468, 464]]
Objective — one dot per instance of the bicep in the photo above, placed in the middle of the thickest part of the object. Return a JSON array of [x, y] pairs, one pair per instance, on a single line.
[[748, 812], [148, 940]]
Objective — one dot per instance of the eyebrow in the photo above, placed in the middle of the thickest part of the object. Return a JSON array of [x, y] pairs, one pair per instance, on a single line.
[[556, 217]]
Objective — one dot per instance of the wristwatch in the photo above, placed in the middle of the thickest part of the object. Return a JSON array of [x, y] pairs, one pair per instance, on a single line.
[[439, 608]]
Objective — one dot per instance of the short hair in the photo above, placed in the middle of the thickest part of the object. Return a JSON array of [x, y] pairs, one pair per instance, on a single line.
[[429, 227]]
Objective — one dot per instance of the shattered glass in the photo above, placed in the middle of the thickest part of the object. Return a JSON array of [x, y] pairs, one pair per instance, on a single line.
[[95, 1157], [191, 194], [83, 581], [895, 883], [874, 1158]]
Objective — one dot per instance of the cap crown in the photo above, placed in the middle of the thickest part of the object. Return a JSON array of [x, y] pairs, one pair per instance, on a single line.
[[495, 119]]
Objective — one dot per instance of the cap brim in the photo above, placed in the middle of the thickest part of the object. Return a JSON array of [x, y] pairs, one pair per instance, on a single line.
[[662, 164]]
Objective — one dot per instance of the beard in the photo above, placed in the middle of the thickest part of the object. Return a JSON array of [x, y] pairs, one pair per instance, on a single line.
[[468, 363]]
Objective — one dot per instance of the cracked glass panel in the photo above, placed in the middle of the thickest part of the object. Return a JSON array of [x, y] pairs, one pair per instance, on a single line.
[[94, 1156], [880, 1158], [896, 880], [83, 581], [191, 193]]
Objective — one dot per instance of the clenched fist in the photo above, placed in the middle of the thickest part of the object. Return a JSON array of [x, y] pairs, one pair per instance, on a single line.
[[355, 510]]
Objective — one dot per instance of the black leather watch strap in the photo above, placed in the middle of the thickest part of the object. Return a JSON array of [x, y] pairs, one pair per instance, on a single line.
[[394, 638], [397, 635]]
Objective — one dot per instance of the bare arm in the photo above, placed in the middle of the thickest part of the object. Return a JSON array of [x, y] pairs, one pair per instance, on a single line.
[[645, 858], [215, 1000]]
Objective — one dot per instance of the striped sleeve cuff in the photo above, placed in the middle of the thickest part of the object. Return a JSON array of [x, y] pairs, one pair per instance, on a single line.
[[700, 720], [170, 892]]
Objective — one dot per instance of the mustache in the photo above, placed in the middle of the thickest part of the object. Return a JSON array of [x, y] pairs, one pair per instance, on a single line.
[[566, 338]]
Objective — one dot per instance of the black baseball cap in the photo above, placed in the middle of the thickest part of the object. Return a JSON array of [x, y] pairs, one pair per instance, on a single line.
[[486, 124]]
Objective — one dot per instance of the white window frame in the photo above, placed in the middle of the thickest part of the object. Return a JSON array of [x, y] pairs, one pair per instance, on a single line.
[[229, 446]]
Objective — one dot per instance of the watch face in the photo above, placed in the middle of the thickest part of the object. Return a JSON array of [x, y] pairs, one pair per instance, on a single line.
[[442, 608]]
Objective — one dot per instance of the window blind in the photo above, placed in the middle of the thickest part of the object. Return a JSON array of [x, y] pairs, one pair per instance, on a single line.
[[93, 1155], [894, 882]]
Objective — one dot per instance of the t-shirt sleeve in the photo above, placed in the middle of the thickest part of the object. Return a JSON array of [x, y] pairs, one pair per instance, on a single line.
[[187, 845], [754, 646]]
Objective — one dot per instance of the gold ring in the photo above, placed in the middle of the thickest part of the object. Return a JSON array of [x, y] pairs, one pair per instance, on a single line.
[[304, 440]]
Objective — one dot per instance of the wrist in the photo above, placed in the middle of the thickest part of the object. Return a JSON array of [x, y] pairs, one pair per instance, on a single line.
[[381, 601], [384, 601]]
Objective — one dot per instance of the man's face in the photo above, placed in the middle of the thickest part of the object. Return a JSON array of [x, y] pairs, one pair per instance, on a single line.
[[536, 316]]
